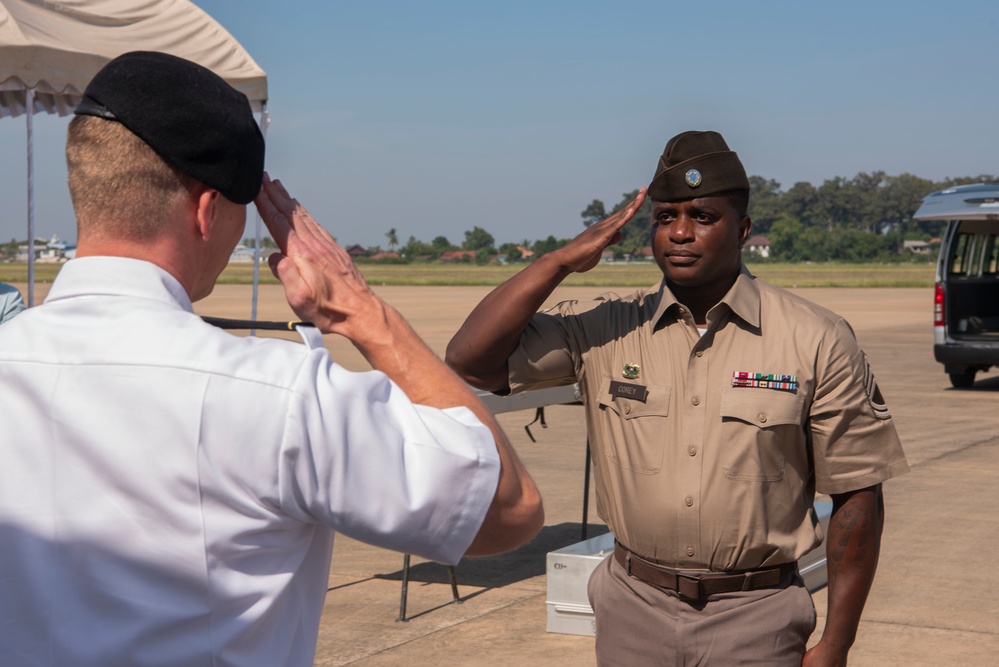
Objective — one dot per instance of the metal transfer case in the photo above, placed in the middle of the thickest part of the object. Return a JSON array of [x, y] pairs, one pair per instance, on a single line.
[[569, 570]]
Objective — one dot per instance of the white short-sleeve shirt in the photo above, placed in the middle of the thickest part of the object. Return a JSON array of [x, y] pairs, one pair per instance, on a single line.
[[169, 492]]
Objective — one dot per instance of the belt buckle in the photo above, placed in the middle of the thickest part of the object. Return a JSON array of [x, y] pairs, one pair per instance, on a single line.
[[689, 587]]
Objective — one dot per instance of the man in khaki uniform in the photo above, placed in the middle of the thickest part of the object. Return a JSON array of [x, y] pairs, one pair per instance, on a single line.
[[717, 406]]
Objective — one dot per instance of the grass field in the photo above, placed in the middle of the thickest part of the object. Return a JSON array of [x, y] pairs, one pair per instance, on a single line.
[[605, 275]]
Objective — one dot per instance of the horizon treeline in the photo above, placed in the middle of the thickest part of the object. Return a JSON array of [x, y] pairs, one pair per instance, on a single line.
[[862, 219]]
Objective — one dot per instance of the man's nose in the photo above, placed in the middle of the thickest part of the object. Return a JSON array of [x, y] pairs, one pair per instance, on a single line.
[[681, 230]]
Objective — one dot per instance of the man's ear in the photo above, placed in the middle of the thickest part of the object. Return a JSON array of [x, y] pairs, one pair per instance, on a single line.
[[745, 227], [206, 212]]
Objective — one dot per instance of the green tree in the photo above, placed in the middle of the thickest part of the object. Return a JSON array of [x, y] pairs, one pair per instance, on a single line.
[[765, 203], [416, 248], [638, 231], [545, 246], [593, 213], [478, 238], [800, 202], [783, 236], [393, 239], [512, 252], [441, 244], [10, 249]]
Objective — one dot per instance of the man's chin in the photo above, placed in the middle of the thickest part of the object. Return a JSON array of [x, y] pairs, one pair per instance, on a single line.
[[682, 276]]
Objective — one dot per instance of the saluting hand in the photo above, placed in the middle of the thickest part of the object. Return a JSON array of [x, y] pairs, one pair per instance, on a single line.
[[320, 280], [584, 252]]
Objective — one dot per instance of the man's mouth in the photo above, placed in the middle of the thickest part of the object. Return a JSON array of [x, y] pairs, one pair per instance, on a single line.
[[681, 258]]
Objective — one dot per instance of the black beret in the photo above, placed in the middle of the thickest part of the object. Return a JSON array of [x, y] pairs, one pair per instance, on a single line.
[[188, 114], [697, 164]]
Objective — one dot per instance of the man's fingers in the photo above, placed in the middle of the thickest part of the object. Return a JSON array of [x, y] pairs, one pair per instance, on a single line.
[[301, 222], [616, 222], [277, 222], [284, 269]]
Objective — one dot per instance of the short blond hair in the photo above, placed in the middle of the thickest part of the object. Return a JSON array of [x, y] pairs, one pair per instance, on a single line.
[[121, 188]]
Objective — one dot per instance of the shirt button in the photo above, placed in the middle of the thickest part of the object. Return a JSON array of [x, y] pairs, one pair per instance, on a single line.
[[762, 417], [690, 551], [699, 353], [627, 409], [689, 501], [697, 401], [692, 451]]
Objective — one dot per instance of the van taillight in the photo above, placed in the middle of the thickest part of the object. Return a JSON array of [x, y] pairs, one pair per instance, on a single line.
[[938, 306]]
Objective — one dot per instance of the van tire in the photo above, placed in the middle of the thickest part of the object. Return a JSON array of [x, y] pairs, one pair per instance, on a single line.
[[964, 379]]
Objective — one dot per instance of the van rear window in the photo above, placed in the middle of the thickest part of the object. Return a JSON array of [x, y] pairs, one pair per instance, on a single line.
[[990, 267], [974, 255], [960, 250]]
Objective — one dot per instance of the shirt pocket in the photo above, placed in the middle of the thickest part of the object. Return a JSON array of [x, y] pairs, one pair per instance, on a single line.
[[758, 426], [634, 432]]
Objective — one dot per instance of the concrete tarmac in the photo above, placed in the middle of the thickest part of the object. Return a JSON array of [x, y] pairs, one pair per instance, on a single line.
[[936, 597]]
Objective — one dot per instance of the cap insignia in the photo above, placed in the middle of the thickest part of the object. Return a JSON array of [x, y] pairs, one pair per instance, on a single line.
[[693, 178]]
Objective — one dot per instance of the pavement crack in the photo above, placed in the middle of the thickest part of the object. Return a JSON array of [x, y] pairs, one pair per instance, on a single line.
[[951, 452], [941, 628]]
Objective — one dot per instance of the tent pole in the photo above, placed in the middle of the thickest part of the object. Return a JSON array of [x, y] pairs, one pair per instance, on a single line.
[[265, 120], [29, 103]]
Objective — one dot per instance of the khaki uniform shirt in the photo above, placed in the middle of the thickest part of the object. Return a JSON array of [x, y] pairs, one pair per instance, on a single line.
[[690, 470]]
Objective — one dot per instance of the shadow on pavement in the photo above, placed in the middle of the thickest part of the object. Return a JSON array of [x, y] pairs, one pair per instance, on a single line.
[[496, 571]]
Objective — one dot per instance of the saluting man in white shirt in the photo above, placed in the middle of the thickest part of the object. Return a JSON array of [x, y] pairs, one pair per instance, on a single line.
[[169, 492]]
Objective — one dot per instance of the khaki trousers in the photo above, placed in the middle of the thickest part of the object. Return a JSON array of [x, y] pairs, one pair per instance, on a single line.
[[638, 624]]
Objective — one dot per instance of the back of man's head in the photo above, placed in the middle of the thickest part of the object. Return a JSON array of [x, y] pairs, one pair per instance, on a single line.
[[150, 128]]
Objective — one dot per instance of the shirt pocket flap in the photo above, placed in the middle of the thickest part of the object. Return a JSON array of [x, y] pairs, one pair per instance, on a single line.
[[656, 403], [761, 407]]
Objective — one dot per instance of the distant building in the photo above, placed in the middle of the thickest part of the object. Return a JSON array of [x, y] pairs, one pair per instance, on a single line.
[[759, 246], [918, 247], [644, 254], [243, 255], [356, 251], [47, 251], [379, 256], [458, 255]]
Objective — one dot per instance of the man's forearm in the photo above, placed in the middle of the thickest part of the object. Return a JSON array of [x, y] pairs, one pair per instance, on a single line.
[[479, 350], [516, 513], [853, 546], [324, 286]]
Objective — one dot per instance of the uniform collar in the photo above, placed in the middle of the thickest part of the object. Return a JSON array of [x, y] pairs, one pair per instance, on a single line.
[[117, 276], [743, 299]]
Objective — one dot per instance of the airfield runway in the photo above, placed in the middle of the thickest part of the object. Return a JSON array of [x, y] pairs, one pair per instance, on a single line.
[[936, 597]]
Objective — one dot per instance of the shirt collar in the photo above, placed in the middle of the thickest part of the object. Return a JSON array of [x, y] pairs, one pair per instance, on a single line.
[[743, 299], [117, 276]]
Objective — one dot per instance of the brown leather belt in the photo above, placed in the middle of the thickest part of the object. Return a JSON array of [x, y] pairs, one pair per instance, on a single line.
[[697, 586]]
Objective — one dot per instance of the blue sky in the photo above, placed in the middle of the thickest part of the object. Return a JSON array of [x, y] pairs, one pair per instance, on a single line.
[[435, 117]]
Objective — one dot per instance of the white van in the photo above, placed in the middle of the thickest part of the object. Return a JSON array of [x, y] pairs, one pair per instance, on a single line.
[[966, 303]]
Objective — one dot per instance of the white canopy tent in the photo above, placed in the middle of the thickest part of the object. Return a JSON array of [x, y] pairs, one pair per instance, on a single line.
[[50, 49]]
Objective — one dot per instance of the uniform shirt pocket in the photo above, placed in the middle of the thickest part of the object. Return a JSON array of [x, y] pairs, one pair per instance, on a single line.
[[634, 430], [758, 425]]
